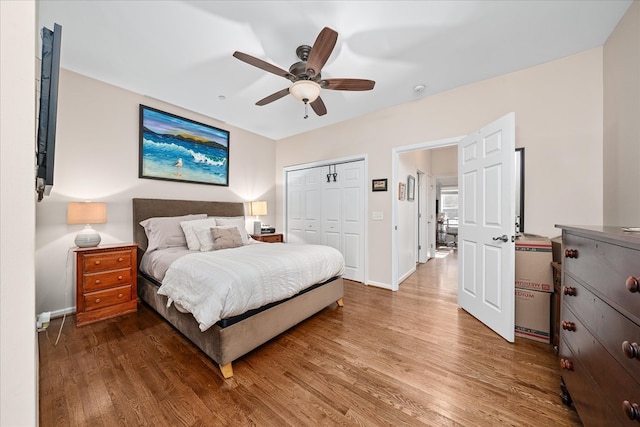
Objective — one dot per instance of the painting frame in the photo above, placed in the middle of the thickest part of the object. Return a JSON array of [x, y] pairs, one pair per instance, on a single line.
[[402, 190], [411, 188], [379, 184], [174, 148]]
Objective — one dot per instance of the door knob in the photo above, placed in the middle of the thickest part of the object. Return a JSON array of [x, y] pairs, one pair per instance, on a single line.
[[504, 238]]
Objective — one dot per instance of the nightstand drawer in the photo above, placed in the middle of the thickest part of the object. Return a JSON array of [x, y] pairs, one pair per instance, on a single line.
[[106, 261], [269, 238], [107, 279], [106, 298]]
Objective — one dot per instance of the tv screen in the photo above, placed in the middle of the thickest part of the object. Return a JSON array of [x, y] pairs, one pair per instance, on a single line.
[[46, 142]]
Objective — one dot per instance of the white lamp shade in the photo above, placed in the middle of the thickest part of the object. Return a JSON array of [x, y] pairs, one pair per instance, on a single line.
[[258, 208], [305, 90], [86, 213]]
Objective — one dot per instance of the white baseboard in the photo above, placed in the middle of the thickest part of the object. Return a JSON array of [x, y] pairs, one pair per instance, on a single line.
[[379, 285]]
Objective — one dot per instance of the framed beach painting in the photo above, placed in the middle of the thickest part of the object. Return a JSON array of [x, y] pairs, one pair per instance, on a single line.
[[173, 148]]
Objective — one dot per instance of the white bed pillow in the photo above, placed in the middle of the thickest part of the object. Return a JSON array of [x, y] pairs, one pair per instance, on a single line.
[[165, 232], [188, 227], [234, 221]]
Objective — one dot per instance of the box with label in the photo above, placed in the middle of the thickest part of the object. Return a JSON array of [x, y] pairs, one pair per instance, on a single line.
[[533, 263], [533, 315]]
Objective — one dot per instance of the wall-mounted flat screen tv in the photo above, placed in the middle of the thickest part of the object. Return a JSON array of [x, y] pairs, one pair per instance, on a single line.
[[48, 109]]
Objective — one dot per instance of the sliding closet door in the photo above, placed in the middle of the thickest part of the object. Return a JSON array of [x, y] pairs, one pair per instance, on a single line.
[[303, 206], [328, 209], [352, 180]]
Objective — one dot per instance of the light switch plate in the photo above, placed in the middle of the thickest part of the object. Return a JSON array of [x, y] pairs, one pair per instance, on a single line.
[[377, 215]]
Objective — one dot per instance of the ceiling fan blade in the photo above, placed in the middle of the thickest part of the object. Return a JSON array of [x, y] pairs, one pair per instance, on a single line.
[[252, 60], [320, 51], [273, 97], [347, 84], [319, 107]]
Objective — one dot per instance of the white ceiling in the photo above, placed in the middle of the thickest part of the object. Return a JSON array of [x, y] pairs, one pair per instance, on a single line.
[[180, 52]]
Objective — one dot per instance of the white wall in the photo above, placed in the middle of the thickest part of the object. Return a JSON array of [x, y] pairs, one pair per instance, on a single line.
[[18, 344], [622, 121], [97, 159], [558, 108]]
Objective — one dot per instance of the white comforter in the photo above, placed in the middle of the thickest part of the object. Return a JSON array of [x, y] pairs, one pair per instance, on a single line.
[[220, 284]]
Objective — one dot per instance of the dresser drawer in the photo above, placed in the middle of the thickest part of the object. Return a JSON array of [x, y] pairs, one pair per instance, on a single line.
[[605, 267], [107, 279], [106, 298], [587, 398], [106, 261], [606, 324], [613, 381]]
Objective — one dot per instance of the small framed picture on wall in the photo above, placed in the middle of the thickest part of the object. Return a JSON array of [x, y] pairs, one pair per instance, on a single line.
[[402, 188], [411, 188], [379, 185]]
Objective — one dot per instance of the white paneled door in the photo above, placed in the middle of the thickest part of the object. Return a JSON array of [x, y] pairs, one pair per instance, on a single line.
[[486, 248], [321, 210]]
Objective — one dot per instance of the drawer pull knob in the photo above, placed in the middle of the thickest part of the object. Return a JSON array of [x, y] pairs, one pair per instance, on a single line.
[[568, 326], [97, 282], [119, 295], [119, 277], [120, 259], [566, 364], [98, 300], [631, 350], [571, 253], [97, 262], [631, 410], [570, 290], [633, 285]]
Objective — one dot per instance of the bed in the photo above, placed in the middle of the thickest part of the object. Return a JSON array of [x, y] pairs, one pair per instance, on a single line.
[[229, 338]]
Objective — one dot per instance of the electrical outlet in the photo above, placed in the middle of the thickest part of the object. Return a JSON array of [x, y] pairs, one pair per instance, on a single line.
[[43, 320]]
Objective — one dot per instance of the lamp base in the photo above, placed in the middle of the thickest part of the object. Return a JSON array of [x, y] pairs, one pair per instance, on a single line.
[[87, 238], [257, 227]]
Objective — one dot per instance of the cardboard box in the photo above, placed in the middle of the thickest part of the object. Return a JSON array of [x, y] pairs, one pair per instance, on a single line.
[[533, 263], [533, 315]]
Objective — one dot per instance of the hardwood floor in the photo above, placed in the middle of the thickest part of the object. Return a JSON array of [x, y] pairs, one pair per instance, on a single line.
[[405, 358]]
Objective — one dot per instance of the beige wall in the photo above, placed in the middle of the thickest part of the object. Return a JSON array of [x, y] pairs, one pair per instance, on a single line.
[[97, 159], [444, 161], [18, 345], [622, 121], [558, 107]]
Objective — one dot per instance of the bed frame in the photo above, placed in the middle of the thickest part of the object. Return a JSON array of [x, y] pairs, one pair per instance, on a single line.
[[225, 344]]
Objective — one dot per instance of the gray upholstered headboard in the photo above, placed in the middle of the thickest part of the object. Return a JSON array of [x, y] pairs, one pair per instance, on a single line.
[[150, 208]]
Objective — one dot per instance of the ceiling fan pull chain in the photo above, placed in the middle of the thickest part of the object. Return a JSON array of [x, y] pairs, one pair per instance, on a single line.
[[306, 109]]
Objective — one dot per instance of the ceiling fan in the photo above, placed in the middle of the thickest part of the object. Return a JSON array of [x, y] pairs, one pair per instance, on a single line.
[[307, 82]]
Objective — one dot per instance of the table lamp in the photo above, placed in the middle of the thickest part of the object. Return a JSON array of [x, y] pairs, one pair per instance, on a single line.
[[257, 208], [87, 213]]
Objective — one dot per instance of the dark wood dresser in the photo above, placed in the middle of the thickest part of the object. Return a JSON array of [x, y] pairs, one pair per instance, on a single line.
[[600, 324]]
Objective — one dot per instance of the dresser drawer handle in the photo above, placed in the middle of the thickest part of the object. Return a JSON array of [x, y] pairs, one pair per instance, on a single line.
[[570, 291], [98, 300], [97, 282], [633, 285], [566, 364], [631, 350], [568, 326], [631, 410], [119, 277], [97, 262], [120, 295], [120, 259], [571, 253]]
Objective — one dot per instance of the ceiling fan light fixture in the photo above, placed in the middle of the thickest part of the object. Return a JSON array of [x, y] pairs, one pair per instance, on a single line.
[[305, 91]]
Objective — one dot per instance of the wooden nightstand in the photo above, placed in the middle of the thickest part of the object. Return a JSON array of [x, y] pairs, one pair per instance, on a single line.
[[105, 282], [269, 238]]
